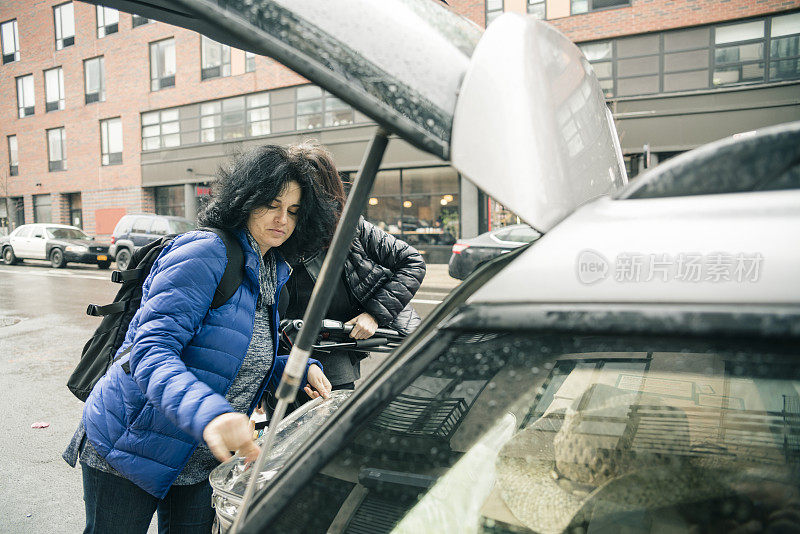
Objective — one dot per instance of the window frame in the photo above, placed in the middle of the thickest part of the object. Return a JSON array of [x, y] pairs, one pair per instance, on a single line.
[[160, 123], [158, 51], [22, 96], [60, 102], [13, 155], [249, 61], [63, 41], [100, 95], [56, 165], [15, 54], [104, 29], [107, 157]]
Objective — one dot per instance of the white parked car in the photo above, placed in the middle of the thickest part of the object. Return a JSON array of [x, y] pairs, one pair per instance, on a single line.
[[634, 369], [58, 243]]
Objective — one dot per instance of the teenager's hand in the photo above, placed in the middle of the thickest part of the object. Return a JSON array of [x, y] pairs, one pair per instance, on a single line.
[[318, 383], [364, 326], [230, 432]]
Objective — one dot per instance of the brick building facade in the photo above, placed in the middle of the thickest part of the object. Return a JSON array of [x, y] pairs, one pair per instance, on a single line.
[[171, 105]]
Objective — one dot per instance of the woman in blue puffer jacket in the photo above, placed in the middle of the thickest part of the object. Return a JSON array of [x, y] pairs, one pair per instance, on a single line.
[[159, 421]]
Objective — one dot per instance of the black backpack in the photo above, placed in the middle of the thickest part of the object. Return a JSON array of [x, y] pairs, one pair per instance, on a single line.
[[98, 353]]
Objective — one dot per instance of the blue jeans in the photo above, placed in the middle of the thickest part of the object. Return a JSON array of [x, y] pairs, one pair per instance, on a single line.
[[116, 505]]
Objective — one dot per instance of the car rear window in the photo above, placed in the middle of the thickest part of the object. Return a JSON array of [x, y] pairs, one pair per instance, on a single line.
[[179, 227], [160, 227], [533, 432], [141, 225], [123, 226]]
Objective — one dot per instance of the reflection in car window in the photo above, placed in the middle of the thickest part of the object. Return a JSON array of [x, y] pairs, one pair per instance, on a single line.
[[24, 231], [523, 235], [54, 232], [544, 433]]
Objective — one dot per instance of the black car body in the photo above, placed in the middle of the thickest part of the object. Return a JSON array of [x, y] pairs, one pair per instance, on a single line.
[[135, 230], [58, 243], [469, 254]]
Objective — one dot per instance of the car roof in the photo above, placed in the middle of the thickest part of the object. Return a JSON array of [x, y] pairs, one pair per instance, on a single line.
[[737, 248], [760, 160]]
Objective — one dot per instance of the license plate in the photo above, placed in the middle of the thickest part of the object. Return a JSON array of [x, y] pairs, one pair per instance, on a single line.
[[102, 258]]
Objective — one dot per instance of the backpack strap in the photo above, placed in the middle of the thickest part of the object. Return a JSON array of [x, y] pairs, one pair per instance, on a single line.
[[234, 270]]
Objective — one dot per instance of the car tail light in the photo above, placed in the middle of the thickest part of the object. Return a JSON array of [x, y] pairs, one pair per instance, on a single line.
[[113, 239], [458, 247]]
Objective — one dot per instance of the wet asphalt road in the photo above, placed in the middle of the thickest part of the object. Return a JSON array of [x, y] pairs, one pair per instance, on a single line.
[[43, 327]]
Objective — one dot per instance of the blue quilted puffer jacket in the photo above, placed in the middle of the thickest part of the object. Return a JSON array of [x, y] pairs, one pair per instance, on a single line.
[[185, 356]]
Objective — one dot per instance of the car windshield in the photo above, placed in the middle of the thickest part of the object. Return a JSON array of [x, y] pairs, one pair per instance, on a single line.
[[179, 227], [532, 432], [66, 233]]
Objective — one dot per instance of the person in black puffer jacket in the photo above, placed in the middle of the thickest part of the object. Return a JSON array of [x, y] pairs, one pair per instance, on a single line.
[[380, 277]]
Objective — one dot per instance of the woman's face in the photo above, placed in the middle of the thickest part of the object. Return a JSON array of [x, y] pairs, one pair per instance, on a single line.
[[272, 225]]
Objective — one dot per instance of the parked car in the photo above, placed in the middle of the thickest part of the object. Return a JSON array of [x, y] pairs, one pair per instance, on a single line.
[[469, 254], [59, 243], [135, 230], [634, 369]]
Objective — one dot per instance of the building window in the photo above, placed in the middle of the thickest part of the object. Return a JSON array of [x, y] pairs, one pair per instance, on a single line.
[[54, 89], [42, 212], [706, 57], [56, 149], [637, 68], [420, 206], [537, 9], [494, 8], [601, 56], [25, 96], [111, 141], [686, 59], [317, 109], [75, 209], [95, 79], [170, 200], [107, 21], [13, 156], [65, 25], [584, 6], [162, 64], [139, 20], [258, 114], [215, 59], [10, 37], [739, 53], [161, 129], [249, 62], [210, 122], [784, 47]]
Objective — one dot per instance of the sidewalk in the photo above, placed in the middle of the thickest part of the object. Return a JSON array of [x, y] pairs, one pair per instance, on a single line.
[[437, 279]]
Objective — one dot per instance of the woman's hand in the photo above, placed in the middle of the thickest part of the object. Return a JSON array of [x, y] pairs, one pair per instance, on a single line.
[[230, 432], [364, 326], [318, 383]]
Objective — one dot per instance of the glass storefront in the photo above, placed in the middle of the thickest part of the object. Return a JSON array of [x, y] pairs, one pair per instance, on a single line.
[[170, 200], [420, 206]]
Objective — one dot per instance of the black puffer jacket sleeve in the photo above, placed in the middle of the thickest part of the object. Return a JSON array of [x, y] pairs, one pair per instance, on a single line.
[[382, 272]]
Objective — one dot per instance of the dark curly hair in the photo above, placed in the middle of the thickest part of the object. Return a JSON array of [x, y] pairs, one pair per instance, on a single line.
[[254, 179]]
